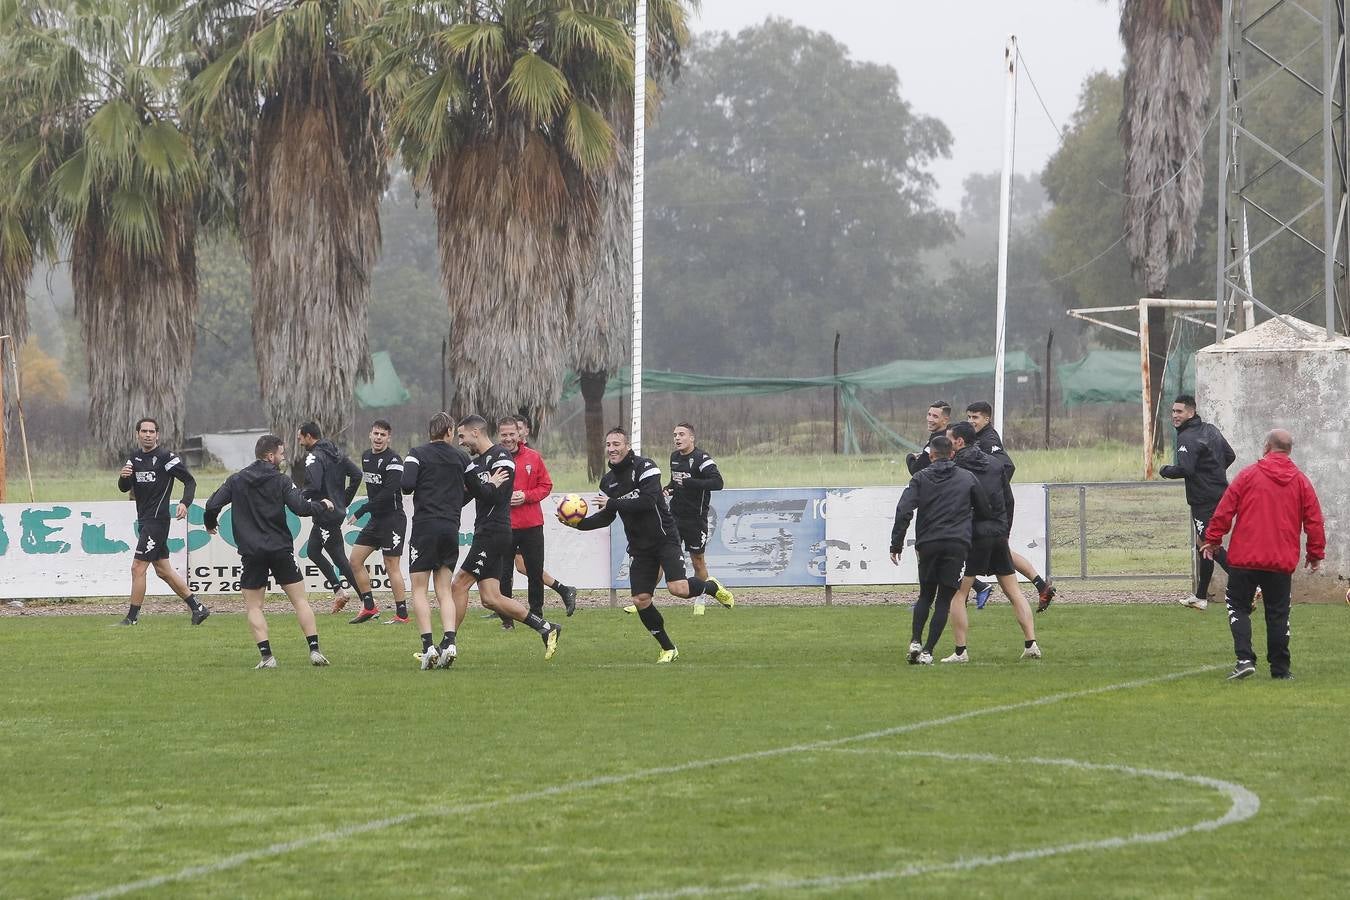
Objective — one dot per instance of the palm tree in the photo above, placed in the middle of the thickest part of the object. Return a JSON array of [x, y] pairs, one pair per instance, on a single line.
[[601, 312], [497, 110], [1168, 48], [277, 85], [91, 146]]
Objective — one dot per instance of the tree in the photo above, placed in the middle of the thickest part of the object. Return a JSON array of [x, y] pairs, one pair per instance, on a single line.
[[497, 111], [91, 128], [281, 85], [788, 198]]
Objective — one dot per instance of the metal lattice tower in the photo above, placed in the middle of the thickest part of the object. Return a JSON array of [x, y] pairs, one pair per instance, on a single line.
[[1284, 171]]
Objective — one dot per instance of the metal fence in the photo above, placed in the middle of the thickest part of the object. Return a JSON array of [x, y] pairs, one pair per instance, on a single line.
[[1118, 531]]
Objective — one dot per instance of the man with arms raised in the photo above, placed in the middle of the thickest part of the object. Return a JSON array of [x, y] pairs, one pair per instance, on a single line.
[[148, 475], [631, 491], [387, 528], [260, 496]]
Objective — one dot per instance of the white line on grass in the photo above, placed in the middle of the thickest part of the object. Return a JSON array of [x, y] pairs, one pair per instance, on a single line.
[[1244, 804], [239, 859]]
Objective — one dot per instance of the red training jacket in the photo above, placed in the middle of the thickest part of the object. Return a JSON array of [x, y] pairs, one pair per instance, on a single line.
[[532, 478], [1274, 503]]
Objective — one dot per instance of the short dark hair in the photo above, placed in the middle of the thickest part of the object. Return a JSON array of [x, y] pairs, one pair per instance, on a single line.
[[1185, 400], [311, 429], [440, 425], [687, 425], [981, 407], [963, 430], [617, 430], [522, 420], [473, 420], [268, 443], [942, 405], [381, 423], [940, 447], [143, 419]]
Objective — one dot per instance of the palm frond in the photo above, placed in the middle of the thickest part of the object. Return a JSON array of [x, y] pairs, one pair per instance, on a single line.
[[537, 88]]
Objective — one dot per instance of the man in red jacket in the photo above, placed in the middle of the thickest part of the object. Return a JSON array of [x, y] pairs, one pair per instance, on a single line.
[[1274, 503], [532, 487]]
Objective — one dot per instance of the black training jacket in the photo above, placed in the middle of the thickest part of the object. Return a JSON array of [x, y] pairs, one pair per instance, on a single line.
[[260, 496], [383, 477], [989, 472], [917, 462], [693, 478], [434, 474], [991, 442], [633, 487], [947, 499], [331, 476], [151, 482], [492, 509], [1203, 458]]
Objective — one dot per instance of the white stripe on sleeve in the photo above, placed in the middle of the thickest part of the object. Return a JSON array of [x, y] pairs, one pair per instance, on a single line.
[[707, 462], [649, 473]]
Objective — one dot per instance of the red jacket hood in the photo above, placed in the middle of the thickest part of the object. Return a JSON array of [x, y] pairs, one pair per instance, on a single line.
[[1278, 467]]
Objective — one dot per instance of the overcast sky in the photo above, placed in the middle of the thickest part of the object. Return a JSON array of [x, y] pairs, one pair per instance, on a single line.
[[949, 57]]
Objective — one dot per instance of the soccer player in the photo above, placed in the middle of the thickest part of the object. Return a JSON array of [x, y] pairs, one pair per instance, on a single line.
[[329, 475], [531, 485], [148, 475], [631, 491], [491, 482], [1203, 458], [987, 438], [382, 472], [435, 475], [260, 495], [989, 553], [938, 418], [947, 499], [693, 478]]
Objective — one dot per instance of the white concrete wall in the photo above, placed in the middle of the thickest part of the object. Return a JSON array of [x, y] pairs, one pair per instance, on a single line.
[[1267, 378]]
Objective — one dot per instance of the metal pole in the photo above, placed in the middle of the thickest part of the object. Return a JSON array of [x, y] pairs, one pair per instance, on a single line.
[[1145, 395], [836, 393], [1049, 344], [1330, 183], [1004, 215], [1221, 238], [639, 160], [445, 357], [1082, 532]]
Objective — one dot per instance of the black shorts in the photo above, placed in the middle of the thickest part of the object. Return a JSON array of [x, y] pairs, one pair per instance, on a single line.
[[942, 562], [487, 554], [280, 566], [989, 556], [645, 572], [153, 544], [694, 534], [1200, 516], [434, 546], [386, 531]]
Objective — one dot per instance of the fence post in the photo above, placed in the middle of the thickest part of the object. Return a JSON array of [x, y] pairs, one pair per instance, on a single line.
[[829, 595], [1082, 531]]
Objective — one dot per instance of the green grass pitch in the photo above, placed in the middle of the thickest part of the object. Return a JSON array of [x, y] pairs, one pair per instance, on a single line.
[[789, 752]]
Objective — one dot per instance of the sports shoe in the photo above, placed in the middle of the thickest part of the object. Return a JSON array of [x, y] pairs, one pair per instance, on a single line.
[[317, 659], [961, 657], [569, 599], [1047, 595], [551, 640], [488, 615], [1282, 676], [700, 609], [446, 656], [633, 609], [723, 596], [397, 620], [1258, 597], [339, 601], [365, 615], [199, 614], [925, 659], [1243, 669], [982, 596], [427, 657], [1032, 652], [127, 621], [1194, 602], [268, 662], [668, 656], [915, 648]]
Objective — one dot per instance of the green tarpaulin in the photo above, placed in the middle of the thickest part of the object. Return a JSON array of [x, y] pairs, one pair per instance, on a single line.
[[1112, 376], [384, 388]]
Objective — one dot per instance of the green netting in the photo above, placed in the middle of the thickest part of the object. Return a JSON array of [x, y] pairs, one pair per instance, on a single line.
[[384, 387], [1112, 376]]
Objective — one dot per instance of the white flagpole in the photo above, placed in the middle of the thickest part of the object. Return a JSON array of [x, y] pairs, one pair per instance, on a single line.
[[1004, 216], [639, 153]]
